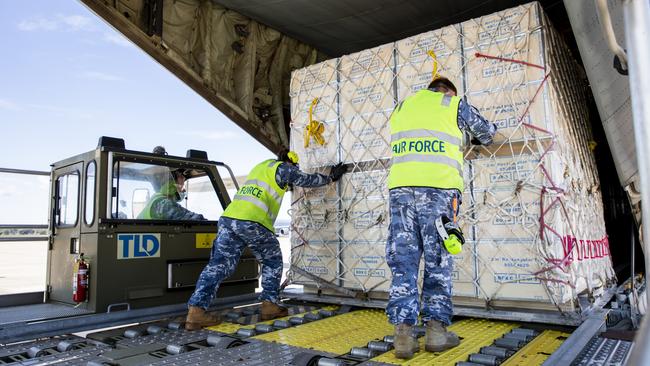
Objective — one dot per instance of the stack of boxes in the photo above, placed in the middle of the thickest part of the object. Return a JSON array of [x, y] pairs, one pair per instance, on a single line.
[[532, 213]]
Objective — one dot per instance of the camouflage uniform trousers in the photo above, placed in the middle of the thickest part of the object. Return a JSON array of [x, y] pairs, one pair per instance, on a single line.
[[412, 232], [234, 235]]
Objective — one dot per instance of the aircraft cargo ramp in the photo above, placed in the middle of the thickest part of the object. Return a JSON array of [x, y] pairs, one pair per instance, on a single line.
[[311, 335]]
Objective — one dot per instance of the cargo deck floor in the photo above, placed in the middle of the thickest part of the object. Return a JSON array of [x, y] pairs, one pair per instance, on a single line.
[[37, 312]]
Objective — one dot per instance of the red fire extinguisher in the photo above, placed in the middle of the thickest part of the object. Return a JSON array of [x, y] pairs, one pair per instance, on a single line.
[[80, 280]]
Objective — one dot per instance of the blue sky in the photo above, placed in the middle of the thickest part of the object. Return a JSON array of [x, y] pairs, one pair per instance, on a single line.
[[66, 78]]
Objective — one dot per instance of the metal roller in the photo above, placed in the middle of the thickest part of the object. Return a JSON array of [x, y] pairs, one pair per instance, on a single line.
[[305, 359], [326, 313], [520, 336], [330, 362], [174, 325], [295, 320], [263, 328], [154, 329], [362, 352], [132, 333], [175, 349], [223, 342], [528, 332], [213, 340], [379, 346], [35, 351], [281, 324], [466, 363], [64, 346], [509, 343], [482, 359], [389, 339], [496, 351], [232, 315], [312, 316], [243, 332], [95, 363]]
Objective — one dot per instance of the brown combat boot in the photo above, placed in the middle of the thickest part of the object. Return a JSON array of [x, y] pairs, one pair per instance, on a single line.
[[406, 345], [271, 311], [198, 318], [438, 339]]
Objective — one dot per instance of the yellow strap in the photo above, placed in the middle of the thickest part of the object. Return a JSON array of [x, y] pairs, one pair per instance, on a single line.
[[434, 73], [315, 128]]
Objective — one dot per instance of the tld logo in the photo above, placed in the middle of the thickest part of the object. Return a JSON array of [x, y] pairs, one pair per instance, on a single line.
[[133, 246]]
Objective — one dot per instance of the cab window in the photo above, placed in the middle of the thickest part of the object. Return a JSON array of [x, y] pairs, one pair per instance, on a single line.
[[67, 205], [148, 191]]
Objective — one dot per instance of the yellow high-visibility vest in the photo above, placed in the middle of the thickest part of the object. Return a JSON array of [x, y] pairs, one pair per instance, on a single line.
[[260, 197], [167, 191], [426, 142]]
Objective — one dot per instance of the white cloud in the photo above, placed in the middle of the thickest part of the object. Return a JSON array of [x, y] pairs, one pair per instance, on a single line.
[[69, 23], [8, 105], [38, 23], [101, 76], [117, 39], [213, 135], [76, 22]]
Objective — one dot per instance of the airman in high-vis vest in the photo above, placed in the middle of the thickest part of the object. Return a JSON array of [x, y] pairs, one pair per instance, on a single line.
[[248, 222], [425, 183], [164, 204]]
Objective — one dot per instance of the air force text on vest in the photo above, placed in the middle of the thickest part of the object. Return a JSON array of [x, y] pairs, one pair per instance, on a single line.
[[134, 246], [421, 146], [251, 191]]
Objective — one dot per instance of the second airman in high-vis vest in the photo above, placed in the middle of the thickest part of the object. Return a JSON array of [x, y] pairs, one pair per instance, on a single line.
[[425, 185], [248, 222]]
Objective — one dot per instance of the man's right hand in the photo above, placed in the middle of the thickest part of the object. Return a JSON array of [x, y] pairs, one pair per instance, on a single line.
[[337, 171], [475, 141]]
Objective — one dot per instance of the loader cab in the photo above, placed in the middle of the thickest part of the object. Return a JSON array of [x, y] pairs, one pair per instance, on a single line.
[[144, 243]]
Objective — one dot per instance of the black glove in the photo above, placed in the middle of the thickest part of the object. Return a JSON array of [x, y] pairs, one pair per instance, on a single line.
[[475, 141], [337, 171]]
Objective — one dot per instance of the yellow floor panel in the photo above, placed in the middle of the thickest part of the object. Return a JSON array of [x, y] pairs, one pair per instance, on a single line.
[[476, 333], [228, 327], [337, 334], [538, 350]]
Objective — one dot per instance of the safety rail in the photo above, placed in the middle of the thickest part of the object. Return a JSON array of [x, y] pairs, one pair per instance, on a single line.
[[23, 233]]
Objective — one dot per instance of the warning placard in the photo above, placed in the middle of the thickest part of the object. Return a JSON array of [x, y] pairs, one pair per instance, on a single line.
[[204, 240]]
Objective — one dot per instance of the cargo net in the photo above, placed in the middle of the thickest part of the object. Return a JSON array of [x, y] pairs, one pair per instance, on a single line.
[[532, 213]]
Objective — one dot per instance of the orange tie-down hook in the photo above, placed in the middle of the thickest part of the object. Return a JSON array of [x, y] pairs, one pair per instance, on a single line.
[[315, 128], [434, 73]]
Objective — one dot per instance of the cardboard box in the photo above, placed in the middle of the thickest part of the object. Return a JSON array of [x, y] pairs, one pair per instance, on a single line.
[[510, 109], [365, 137], [464, 273], [316, 257], [371, 94], [508, 270], [370, 184], [484, 73], [503, 24], [364, 266], [371, 61], [415, 66], [366, 221], [412, 77]]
